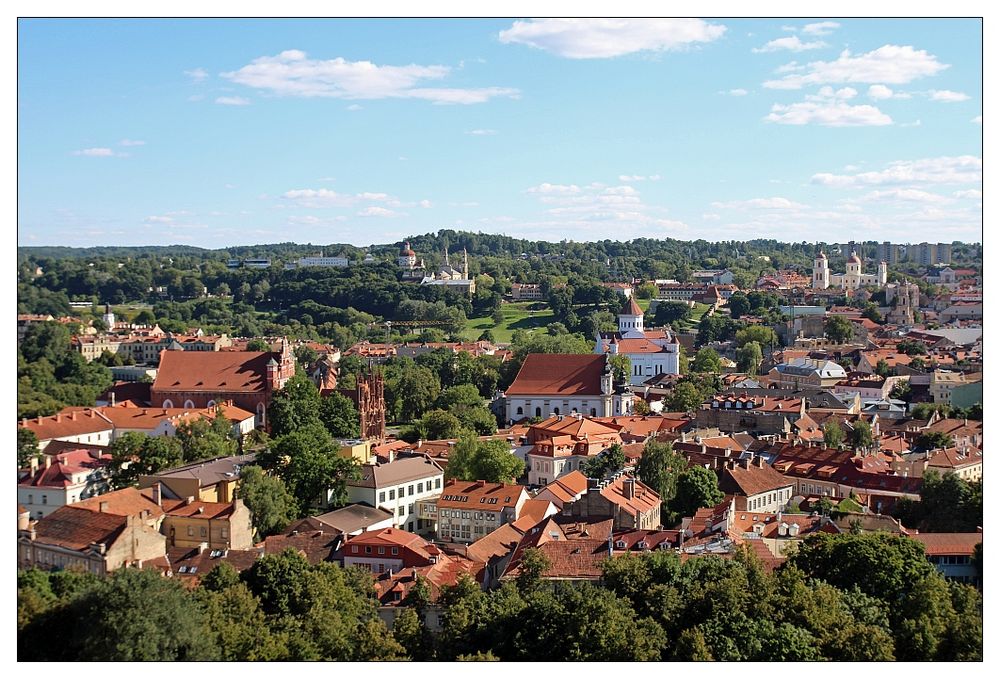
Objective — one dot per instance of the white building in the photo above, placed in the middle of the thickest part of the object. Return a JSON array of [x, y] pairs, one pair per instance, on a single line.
[[62, 480], [396, 486], [651, 352], [566, 384], [320, 260], [852, 279]]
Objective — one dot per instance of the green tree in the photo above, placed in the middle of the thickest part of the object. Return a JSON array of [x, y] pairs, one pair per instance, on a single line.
[[475, 460], [607, 462], [307, 460], [439, 424], [621, 365], [861, 435], [749, 357], [237, 625], [671, 313], [659, 468], [833, 435], [685, 398], [697, 487], [339, 416], [934, 440], [133, 615], [760, 334], [459, 395], [882, 368], [271, 505], [739, 305], [706, 361], [258, 344], [27, 446], [418, 388], [204, 439], [134, 455], [838, 329], [533, 566]]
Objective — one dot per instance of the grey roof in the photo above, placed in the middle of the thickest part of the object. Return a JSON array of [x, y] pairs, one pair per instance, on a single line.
[[353, 517], [209, 472], [806, 367], [400, 470], [959, 336]]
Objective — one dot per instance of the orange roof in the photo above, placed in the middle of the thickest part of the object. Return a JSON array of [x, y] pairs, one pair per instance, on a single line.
[[124, 502], [73, 423], [643, 499], [532, 511], [631, 308], [559, 375], [73, 527], [949, 544], [213, 371], [465, 494], [198, 509]]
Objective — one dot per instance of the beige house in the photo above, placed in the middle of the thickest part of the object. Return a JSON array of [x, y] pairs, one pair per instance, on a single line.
[[469, 510], [209, 481], [222, 525], [943, 383]]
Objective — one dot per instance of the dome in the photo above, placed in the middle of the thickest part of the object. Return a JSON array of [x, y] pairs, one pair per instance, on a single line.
[[406, 251], [853, 259]]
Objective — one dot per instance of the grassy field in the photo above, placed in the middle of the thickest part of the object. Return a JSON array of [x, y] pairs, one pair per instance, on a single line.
[[516, 316]]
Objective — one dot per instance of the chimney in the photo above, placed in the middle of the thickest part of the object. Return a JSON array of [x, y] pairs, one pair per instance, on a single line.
[[188, 500], [103, 507], [760, 461], [58, 417], [48, 461], [33, 464], [391, 455], [73, 416], [39, 419], [628, 488], [157, 498], [112, 399]]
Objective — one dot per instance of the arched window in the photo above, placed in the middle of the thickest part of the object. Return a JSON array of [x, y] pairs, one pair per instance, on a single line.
[[538, 412], [556, 411], [593, 412], [189, 403], [520, 410], [261, 415], [211, 404], [168, 403]]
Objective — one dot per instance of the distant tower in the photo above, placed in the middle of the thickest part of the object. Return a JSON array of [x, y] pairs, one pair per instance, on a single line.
[[883, 273], [447, 264], [465, 265], [630, 318], [407, 258], [108, 317], [852, 278], [821, 272]]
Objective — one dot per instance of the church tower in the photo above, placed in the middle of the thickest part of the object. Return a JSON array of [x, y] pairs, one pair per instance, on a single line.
[[630, 319], [821, 272], [883, 274], [108, 317]]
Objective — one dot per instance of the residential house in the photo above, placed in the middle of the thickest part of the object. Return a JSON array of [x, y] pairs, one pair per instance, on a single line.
[[469, 510], [397, 486], [629, 502], [952, 554], [807, 373], [212, 480], [190, 522], [387, 549], [757, 487], [561, 444], [62, 479]]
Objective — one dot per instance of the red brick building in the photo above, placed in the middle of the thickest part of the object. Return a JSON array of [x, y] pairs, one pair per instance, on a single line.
[[202, 379]]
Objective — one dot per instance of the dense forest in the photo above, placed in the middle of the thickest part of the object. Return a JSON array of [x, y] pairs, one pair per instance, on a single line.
[[871, 597]]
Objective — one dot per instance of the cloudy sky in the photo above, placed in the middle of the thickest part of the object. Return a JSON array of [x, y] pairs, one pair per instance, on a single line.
[[227, 132]]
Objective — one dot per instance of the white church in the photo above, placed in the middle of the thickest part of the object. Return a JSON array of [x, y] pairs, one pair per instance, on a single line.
[[651, 352], [852, 279]]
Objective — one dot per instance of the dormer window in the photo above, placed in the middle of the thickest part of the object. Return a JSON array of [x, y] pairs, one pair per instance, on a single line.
[[620, 544]]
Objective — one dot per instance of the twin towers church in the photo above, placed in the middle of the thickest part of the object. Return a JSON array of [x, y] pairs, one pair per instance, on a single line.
[[853, 279]]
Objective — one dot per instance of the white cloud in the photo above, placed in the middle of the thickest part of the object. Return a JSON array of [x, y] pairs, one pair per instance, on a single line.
[[947, 96], [943, 170], [971, 193], [775, 203], [638, 178], [158, 219], [915, 123], [98, 152], [738, 92], [791, 43], [131, 142], [425, 204], [909, 195], [879, 92], [892, 64], [978, 120], [482, 133], [710, 217], [375, 211], [232, 101], [355, 107], [197, 74], [820, 28], [292, 74], [603, 38], [557, 189], [829, 113]]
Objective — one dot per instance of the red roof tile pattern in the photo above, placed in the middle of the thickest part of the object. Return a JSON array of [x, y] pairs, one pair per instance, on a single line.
[[559, 375], [213, 371], [949, 544]]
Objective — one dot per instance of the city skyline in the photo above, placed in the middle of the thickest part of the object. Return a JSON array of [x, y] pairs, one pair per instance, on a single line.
[[235, 132]]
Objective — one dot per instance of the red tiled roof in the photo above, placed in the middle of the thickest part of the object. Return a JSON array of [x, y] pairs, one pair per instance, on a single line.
[[77, 528], [559, 375], [198, 509], [631, 308], [643, 499], [213, 371], [60, 425], [479, 494], [949, 544], [124, 502], [752, 480]]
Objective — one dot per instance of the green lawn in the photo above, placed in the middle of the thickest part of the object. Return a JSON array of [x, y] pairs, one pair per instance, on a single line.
[[516, 316]]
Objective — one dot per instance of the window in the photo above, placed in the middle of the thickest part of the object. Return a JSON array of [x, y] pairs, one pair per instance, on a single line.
[[381, 497], [381, 550], [368, 549], [224, 532], [420, 487], [538, 412], [204, 531], [190, 531], [437, 483], [409, 490], [392, 494], [354, 549], [412, 507], [410, 526], [45, 499], [520, 411], [395, 551], [31, 499]]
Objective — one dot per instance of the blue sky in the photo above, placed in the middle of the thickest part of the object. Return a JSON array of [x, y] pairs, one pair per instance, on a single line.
[[227, 132]]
